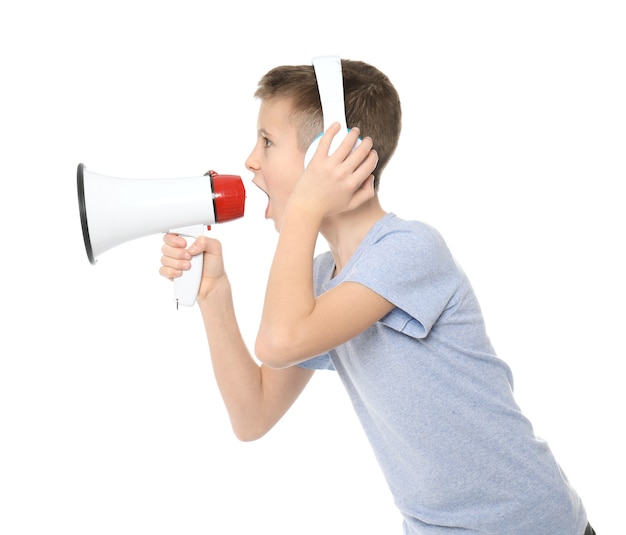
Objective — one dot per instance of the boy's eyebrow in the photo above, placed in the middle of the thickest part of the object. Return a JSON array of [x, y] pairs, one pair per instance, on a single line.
[[263, 132]]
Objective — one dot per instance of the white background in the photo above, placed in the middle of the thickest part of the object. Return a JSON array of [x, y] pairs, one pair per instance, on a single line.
[[513, 147]]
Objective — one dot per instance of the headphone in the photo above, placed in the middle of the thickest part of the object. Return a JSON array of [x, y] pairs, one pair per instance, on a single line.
[[330, 86]]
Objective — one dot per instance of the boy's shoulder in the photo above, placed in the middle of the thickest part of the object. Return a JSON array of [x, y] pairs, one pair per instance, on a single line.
[[394, 239], [394, 228]]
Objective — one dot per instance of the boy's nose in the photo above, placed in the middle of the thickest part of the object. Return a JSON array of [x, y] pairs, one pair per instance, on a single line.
[[252, 162]]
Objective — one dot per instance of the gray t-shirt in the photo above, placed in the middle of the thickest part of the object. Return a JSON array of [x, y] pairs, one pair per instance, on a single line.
[[436, 402]]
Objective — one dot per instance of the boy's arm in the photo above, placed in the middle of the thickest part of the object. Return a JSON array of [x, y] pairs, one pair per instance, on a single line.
[[296, 325], [256, 397]]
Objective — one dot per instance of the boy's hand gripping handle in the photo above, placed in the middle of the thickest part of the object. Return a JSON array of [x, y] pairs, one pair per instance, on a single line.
[[186, 286]]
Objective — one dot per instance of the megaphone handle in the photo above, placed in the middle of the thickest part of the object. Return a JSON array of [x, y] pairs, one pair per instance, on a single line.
[[186, 286]]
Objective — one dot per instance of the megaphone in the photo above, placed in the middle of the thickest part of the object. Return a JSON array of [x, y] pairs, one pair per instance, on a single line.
[[116, 210]]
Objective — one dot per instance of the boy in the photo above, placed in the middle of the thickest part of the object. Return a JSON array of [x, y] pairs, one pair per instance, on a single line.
[[387, 308]]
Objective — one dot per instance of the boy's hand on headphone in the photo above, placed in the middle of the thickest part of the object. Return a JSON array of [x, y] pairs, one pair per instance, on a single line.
[[341, 181]]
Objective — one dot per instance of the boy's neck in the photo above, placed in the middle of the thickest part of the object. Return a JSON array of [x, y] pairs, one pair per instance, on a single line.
[[344, 232]]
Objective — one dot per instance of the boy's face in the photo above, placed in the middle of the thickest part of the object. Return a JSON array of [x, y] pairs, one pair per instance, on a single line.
[[276, 160]]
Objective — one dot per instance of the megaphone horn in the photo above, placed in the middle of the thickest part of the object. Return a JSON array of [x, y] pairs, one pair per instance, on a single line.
[[116, 210]]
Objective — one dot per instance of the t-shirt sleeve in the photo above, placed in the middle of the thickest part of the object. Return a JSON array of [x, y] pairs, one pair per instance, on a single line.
[[413, 269], [321, 362]]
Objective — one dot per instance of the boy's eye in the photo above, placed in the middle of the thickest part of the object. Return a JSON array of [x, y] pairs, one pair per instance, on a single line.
[[266, 142]]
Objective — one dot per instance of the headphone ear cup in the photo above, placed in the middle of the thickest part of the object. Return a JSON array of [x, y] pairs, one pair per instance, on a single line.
[[313, 147]]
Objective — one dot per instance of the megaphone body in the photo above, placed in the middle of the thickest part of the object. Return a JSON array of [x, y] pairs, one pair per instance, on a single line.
[[116, 210]]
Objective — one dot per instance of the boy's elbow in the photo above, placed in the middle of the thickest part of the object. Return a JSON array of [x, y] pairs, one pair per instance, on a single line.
[[275, 351], [250, 428], [249, 434]]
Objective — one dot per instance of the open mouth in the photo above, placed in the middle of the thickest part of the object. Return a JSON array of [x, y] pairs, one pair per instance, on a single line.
[[267, 208]]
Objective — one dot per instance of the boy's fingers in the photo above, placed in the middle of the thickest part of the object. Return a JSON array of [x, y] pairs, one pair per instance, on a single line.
[[350, 144], [362, 150], [174, 240], [170, 272], [175, 252], [363, 194], [328, 136], [176, 262], [369, 161]]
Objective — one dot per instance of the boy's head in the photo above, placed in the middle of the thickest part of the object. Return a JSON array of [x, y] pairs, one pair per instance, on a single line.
[[371, 102]]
